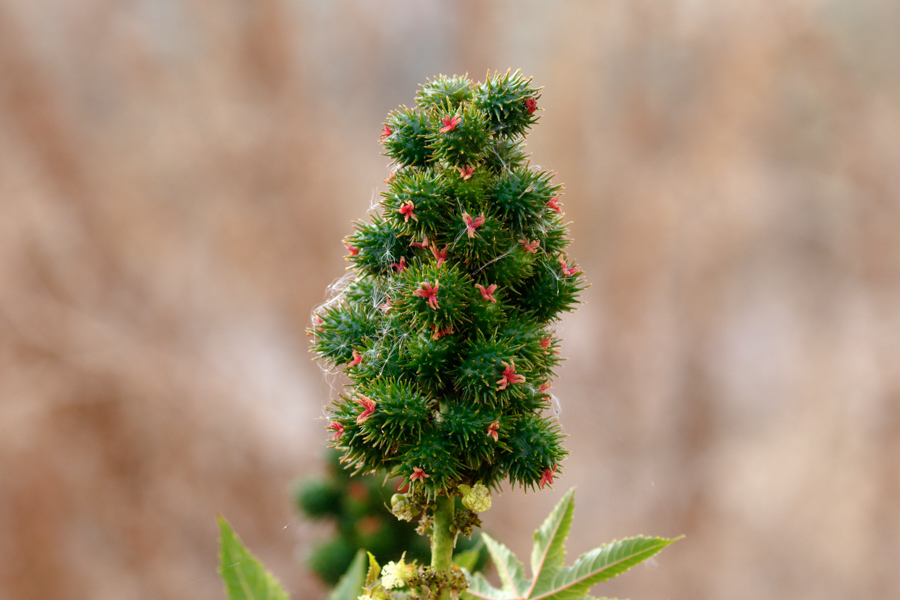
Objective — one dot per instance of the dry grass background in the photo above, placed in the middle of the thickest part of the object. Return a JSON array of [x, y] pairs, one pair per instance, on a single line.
[[175, 179]]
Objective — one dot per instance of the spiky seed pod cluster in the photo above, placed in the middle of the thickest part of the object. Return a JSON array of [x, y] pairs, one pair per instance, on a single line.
[[446, 326]]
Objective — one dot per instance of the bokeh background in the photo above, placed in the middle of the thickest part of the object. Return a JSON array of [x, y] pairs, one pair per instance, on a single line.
[[175, 180]]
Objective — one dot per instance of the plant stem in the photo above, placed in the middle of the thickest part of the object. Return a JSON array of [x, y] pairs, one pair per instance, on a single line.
[[442, 539]]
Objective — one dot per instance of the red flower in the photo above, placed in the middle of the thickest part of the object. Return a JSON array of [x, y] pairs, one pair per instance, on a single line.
[[439, 333], [568, 271], [357, 359], [352, 249], [406, 209], [530, 105], [390, 177], [509, 376], [386, 132], [547, 477], [338, 430], [450, 123], [554, 204], [492, 430], [487, 292], [422, 244], [319, 321], [429, 293], [400, 266], [472, 224], [441, 255], [368, 405], [386, 306], [544, 387], [466, 173], [530, 246], [418, 475], [545, 343]]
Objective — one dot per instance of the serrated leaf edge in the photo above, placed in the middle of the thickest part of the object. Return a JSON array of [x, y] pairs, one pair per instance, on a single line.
[[374, 570], [345, 590], [273, 587], [564, 572], [558, 523], [503, 559], [485, 590]]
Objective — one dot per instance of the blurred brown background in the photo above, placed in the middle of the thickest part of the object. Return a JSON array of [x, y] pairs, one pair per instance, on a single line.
[[175, 180]]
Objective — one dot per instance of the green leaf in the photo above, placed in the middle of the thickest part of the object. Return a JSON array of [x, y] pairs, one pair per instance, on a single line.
[[549, 549], [510, 569], [244, 576], [374, 570], [553, 581], [468, 559], [600, 564], [480, 589], [351, 584]]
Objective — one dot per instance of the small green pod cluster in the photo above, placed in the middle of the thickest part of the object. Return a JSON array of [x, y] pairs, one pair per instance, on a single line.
[[445, 327]]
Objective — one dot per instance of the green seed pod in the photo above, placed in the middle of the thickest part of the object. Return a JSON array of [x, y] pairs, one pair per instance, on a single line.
[[443, 91], [434, 296], [404, 137], [510, 103], [417, 203], [377, 246], [522, 195], [459, 136]]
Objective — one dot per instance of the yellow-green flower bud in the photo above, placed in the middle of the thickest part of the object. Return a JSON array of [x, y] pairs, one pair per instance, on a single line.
[[477, 498], [396, 574], [401, 507]]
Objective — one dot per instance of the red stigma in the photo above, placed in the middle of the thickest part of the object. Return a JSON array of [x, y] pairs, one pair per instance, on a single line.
[[337, 428], [429, 293], [450, 123], [568, 271], [400, 266], [530, 246], [439, 333], [369, 406], [418, 475], [440, 255], [509, 376], [406, 209], [547, 477], [487, 292], [472, 224], [492, 430]]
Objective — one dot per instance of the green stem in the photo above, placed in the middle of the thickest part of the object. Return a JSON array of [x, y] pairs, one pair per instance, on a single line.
[[442, 539]]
